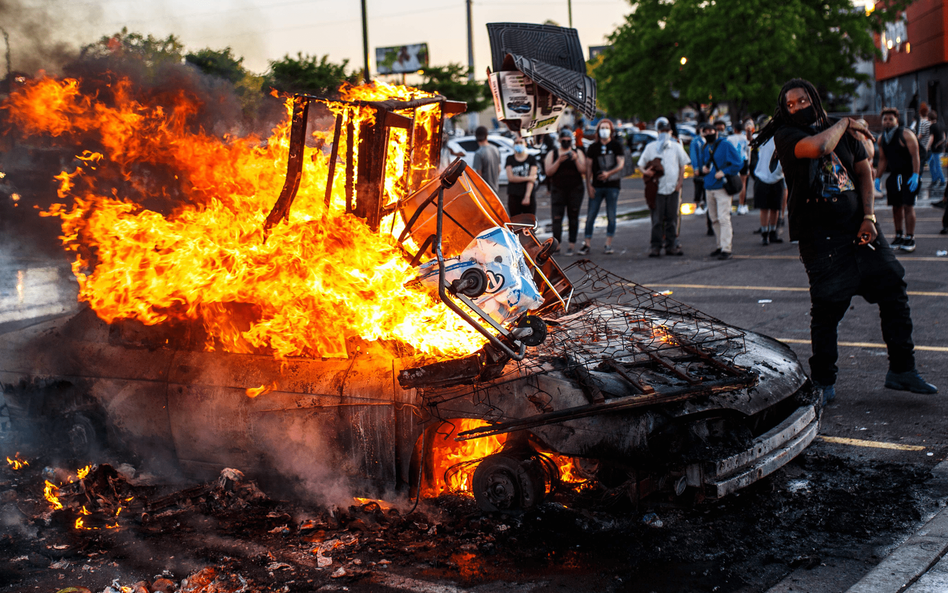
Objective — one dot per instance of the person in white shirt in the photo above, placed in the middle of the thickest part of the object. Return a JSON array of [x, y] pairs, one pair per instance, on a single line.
[[666, 215], [770, 192]]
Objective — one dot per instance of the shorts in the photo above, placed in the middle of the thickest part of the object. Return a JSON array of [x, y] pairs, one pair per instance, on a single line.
[[745, 169], [897, 191], [768, 196]]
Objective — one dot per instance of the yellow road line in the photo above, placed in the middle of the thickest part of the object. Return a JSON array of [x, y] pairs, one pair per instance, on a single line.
[[902, 257], [866, 345], [772, 288], [872, 444]]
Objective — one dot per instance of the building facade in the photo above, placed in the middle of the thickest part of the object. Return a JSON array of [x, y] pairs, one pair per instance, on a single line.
[[914, 63]]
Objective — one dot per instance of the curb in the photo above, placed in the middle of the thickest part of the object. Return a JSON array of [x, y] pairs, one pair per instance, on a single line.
[[915, 557]]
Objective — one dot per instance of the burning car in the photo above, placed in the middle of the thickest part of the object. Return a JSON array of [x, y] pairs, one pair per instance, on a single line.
[[275, 344]]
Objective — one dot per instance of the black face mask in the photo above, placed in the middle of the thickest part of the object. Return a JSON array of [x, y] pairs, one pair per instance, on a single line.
[[804, 117], [711, 138], [566, 144]]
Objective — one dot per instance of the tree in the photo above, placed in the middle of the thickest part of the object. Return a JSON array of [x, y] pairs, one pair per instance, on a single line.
[[219, 63], [150, 52], [452, 82], [697, 52], [309, 74]]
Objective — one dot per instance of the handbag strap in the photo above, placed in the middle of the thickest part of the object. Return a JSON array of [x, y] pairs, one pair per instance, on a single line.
[[713, 149]]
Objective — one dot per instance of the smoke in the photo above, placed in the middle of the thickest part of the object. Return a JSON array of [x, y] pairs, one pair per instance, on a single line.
[[39, 37]]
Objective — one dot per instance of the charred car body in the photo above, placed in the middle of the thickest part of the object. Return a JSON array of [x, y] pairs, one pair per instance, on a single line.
[[644, 392]]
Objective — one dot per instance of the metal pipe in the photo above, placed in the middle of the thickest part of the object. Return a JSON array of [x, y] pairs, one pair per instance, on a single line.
[[365, 44]]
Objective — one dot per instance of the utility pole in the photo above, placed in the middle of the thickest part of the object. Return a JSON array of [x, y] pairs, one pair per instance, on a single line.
[[365, 44], [470, 43], [569, 7]]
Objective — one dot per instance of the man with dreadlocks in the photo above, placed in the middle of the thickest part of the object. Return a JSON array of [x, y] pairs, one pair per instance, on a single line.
[[830, 215]]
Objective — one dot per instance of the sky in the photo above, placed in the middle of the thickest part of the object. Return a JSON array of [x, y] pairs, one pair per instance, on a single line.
[[264, 30]]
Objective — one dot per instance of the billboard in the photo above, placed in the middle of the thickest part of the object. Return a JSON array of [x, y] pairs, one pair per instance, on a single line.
[[403, 59]]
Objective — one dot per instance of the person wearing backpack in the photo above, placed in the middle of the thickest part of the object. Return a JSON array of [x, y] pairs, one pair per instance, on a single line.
[[720, 160]]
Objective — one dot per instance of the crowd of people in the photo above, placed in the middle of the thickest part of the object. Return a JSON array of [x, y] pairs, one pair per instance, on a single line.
[[821, 172]]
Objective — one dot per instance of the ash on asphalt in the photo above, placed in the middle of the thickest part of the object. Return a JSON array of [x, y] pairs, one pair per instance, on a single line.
[[819, 508]]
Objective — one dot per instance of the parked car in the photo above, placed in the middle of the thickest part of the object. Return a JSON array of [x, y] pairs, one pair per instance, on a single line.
[[468, 145]]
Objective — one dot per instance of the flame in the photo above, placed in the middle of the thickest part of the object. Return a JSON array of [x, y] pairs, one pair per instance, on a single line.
[[660, 333], [255, 391], [454, 462], [569, 473], [319, 278], [50, 492], [688, 208], [17, 463], [364, 501], [82, 473]]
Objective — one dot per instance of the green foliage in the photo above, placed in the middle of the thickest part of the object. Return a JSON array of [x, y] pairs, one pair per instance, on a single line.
[[149, 51], [309, 74], [219, 63], [452, 82], [738, 52]]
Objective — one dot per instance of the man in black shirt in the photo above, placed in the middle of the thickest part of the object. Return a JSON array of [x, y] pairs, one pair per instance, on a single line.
[[830, 214], [899, 155]]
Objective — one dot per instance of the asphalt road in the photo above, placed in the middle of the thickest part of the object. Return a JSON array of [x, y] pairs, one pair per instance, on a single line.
[[765, 289]]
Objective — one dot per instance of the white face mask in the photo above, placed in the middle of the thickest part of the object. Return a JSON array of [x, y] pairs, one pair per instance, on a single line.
[[605, 132]]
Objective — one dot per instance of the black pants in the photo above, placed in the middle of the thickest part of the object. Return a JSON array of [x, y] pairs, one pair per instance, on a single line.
[[699, 189], [666, 216], [515, 204], [570, 200], [839, 272]]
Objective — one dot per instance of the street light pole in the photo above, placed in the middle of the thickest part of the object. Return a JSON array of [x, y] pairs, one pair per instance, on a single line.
[[569, 7], [470, 43], [365, 44]]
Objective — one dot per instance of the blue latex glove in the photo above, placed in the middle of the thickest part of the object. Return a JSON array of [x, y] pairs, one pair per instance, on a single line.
[[913, 182], [878, 184]]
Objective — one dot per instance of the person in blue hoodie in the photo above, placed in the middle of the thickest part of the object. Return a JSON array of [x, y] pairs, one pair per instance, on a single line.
[[719, 158]]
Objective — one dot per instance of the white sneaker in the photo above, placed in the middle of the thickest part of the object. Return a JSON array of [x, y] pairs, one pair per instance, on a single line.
[[742, 209], [701, 209]]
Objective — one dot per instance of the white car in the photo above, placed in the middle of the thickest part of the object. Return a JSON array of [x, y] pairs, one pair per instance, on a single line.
[[468, 145]]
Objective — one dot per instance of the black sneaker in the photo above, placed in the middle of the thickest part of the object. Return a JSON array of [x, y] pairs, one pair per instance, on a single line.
[[909, 381], [654, 252], [725, 255], [774, 238], [710, 232], [765, 238], [759, 231], [584, 250], [939, 204], [899, 240], [943, 231], [715, 253], [908, 244]]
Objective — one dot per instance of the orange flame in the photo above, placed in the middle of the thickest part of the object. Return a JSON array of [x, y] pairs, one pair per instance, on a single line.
[[454, 462], [17, 463], [255, 391], [50, 492], [319, 278]]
